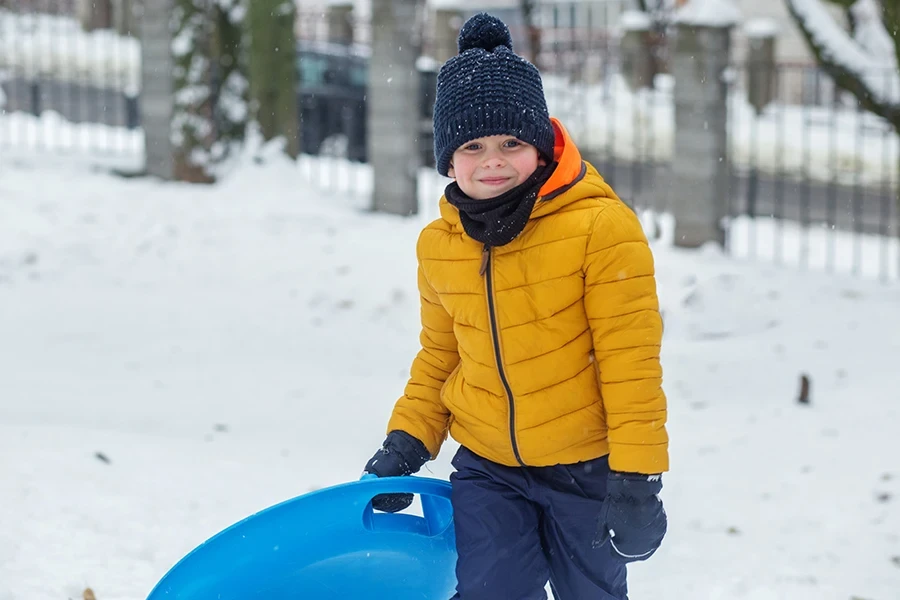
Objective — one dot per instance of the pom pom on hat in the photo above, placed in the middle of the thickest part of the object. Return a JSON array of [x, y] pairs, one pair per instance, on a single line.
[[487, 89], [484, 31]]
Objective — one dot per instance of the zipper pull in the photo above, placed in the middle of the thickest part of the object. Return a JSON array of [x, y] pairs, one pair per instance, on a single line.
[[485, 258]]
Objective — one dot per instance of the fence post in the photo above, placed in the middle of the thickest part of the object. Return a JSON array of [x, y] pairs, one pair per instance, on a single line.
[[95, 14], [447, 22], [34, 94], [340, 23], [156, 102], [700, 162], [123, 17], [638, 66], [761, 35], [393, 106]]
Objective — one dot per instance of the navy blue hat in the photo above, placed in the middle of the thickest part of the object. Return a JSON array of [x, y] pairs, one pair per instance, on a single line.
[[487, 89]]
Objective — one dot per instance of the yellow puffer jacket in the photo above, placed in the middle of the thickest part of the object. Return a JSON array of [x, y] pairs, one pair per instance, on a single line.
[[552, 355]]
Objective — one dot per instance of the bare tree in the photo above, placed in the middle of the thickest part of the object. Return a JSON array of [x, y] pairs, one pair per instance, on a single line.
[[864, 65]]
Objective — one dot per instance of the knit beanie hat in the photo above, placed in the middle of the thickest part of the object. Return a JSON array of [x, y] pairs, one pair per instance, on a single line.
[[486, 90]]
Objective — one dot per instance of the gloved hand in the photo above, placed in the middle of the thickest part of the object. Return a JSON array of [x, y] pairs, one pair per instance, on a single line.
[[401, 454], [632, 519]]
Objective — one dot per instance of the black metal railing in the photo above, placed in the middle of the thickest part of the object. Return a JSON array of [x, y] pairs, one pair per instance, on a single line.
[[64, 89], [814, 176]]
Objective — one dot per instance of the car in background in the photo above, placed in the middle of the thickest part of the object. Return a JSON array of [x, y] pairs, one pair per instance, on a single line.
[[332, 89]]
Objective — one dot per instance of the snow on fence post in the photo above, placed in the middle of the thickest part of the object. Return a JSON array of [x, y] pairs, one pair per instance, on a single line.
[[393, 105], [700, 163], [157, 87]]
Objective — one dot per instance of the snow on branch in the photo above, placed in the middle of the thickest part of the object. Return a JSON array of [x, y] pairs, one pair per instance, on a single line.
[[872, 78]]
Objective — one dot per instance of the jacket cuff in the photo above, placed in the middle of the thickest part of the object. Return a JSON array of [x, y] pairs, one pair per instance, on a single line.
[[630, 458], [633, 485]]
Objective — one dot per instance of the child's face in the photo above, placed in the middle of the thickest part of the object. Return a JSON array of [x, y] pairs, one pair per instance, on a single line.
[[489, 166]]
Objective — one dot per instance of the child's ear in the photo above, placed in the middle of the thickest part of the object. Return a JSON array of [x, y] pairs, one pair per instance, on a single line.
[[450, 172]]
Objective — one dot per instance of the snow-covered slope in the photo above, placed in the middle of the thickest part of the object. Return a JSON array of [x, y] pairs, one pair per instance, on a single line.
[[225, 348]]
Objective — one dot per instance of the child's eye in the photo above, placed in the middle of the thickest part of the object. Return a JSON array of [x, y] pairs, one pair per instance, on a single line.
[[512, 143], [472, 147]]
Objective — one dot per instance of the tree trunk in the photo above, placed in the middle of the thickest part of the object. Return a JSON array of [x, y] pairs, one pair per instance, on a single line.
[[192, 125], [532, 30], [230, 109], [272, 69], [891, 15]]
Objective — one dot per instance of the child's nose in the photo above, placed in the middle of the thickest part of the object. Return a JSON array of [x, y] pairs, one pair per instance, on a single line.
[[494, 161]]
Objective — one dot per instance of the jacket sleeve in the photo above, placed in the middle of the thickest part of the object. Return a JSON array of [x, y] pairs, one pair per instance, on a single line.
[[626, 326], [420, 412]]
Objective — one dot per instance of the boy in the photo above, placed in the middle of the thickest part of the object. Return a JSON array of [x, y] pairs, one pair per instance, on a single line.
[[540, 346]]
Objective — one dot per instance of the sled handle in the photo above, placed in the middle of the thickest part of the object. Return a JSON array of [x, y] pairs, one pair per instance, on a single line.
[[437, 510]]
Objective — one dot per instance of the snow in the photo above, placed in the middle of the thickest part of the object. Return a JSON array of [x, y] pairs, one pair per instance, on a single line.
[[40, 44], [819, 248], [427, 63], [284, 9], [709, 13], [183, 43], [761, 27], [23, 133], [878, 71], [870, 32], [635, 20], [232, 96], [228, 347]]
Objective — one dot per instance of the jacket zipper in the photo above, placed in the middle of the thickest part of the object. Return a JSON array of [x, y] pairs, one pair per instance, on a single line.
[[487, 271]]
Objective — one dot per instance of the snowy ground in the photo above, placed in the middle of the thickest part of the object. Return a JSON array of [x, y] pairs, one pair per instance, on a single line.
[[225, 348]]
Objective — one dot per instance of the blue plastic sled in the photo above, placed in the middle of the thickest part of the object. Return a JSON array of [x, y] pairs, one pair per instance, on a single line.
[[327, 545]]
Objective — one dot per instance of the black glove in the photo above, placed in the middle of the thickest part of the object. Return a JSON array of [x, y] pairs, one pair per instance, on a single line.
[[401, 454], [632, 519]]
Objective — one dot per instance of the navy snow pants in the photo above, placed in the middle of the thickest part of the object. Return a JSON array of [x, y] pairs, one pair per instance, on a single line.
[[518, 527]]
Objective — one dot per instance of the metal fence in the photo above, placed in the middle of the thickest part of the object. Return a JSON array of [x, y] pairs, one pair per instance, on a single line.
[[63, 89], [813, 177]]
